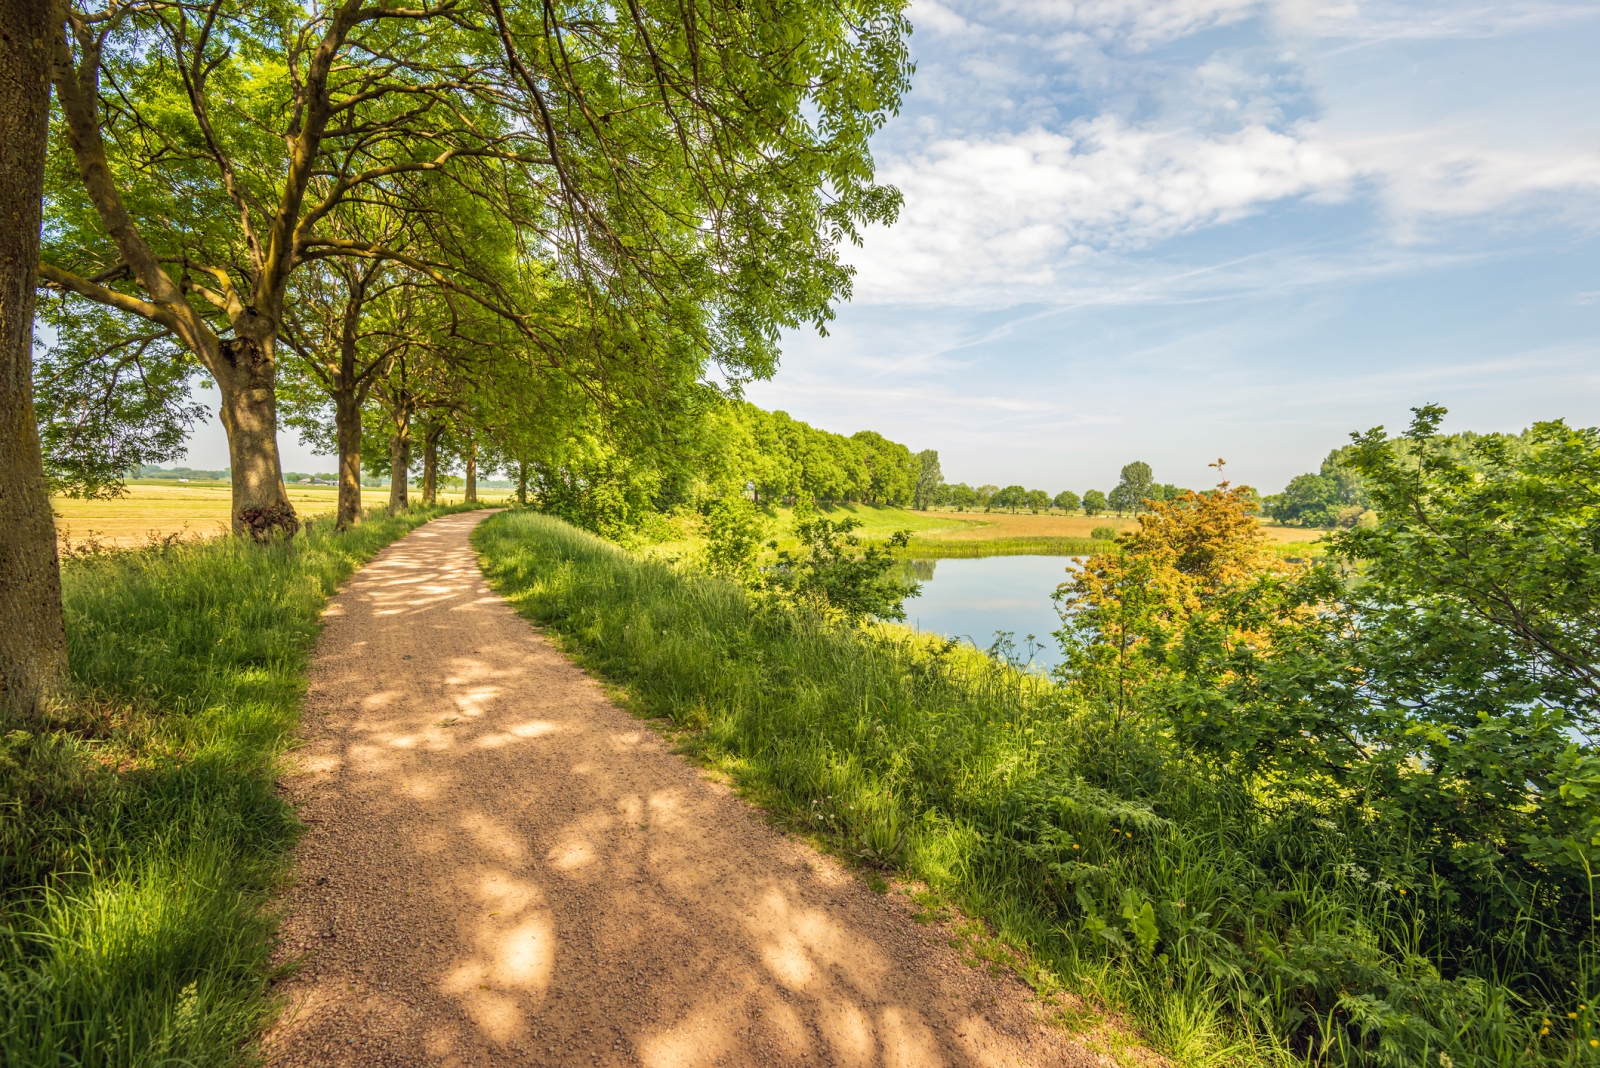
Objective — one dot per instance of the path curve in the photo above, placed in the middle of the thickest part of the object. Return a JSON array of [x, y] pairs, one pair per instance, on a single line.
[[504, 867]]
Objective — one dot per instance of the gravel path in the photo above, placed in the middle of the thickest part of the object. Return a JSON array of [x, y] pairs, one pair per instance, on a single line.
[[503, 867]]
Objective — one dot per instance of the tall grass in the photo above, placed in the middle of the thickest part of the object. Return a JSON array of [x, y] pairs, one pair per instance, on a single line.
[[140, 834], [1128, 871]]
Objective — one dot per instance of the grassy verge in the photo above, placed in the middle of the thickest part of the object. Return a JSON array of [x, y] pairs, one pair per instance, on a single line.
[[1125, 870], [935, 549], [140, 834]]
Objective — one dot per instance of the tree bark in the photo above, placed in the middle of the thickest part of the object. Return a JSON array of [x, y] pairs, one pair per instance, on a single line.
[[430, 464], [33, 641], [472, 471], [522, 484], [247, 378], [347, 428], [400, 463]]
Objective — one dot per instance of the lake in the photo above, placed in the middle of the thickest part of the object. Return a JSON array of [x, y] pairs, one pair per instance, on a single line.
[[972, 599]]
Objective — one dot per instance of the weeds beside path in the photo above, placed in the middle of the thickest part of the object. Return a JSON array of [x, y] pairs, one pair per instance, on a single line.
[[140, 834], [504, 867]]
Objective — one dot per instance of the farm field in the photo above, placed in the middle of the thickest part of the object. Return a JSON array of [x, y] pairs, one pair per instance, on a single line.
[[193, 509]]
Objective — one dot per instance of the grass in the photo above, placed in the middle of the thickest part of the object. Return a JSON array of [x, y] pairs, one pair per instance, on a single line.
[[141, 837], [162, 507], [965, 535], [1122, 870]]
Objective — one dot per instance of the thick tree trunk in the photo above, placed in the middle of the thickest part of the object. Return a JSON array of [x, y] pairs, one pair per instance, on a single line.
[[522, 484], [33, 641], [400, 466], [347, 427], [472, 471], [247, 379]]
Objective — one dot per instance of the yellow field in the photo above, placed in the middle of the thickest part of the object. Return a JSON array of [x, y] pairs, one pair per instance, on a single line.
[[197, 509]]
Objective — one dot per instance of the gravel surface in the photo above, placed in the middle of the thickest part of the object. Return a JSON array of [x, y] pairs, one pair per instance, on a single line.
[[503, 867]]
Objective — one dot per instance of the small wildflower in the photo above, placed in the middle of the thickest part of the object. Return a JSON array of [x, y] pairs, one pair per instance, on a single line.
[[1402, 889], [1594, 1042], [1445, 1061], [1572, 1016], [1074, 845]]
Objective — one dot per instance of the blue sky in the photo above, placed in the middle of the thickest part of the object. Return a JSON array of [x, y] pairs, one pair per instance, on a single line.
[[1182, 229], [1174, 230]]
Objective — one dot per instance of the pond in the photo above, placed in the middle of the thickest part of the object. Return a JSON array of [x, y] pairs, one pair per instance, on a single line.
[[972, 599]]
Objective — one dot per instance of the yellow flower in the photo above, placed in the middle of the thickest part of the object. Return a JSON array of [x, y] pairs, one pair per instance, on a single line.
[[1572, 1016], [1594, 1042], [1074, 845]]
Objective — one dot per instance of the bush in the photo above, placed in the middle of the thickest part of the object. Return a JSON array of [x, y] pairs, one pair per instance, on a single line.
[[1104, 533]]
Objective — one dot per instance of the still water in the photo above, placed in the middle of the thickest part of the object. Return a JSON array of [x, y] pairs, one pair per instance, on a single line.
[[972, 599]]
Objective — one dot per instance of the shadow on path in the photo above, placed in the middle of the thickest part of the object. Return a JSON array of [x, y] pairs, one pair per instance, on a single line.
[[503, 867]]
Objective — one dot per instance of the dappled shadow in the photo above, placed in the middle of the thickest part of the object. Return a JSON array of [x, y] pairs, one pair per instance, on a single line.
[[504, 867]]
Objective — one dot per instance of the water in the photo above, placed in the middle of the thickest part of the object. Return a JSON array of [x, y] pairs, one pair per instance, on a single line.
[[972, 599]]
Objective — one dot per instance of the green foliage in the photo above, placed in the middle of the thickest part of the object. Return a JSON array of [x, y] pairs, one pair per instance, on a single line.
[[1067, 501], [1232, 927], [1012, 497], [1430, 693], [140, 834], [1133, 490], [734, 529], [111, 394], [930, 480], [1037, 501], [836, 582], [1103, 533], [1094, 502]]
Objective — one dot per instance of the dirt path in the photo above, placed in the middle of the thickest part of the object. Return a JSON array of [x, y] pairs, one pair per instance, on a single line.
[[503, 867]]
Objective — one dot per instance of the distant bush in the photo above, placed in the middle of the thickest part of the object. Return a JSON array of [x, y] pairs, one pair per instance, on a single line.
[[1104, 533]]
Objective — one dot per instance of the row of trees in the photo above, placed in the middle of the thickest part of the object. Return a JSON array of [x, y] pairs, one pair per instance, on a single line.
[[1132, 495], [489, 232]]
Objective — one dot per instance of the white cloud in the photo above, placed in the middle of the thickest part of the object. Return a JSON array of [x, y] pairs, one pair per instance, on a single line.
[[1141, 23], [1005, 213]]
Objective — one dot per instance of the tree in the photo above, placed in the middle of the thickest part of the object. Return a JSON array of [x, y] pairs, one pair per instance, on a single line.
[[691, 177], [1134, 488], [1012, 497], [1094, 502], [1037, 501], [33, 644], [1124, 613], [1446, 689], [962, 496], [1307, 501], [1067, 501], [929, 479]]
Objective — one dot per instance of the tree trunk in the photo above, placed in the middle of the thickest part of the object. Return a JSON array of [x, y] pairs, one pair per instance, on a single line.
[[247, 379], [522, 484], [430, 465], [347, 427], [400, 464], [472, 471], [33, 641]]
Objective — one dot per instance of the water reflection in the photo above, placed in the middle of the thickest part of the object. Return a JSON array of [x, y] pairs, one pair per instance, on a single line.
[[974, 599]]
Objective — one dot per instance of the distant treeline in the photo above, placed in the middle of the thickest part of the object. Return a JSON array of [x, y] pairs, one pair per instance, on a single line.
[[175, 473], [1130, 495]]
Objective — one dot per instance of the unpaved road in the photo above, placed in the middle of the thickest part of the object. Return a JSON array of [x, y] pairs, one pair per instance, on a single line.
[[503, 867]]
